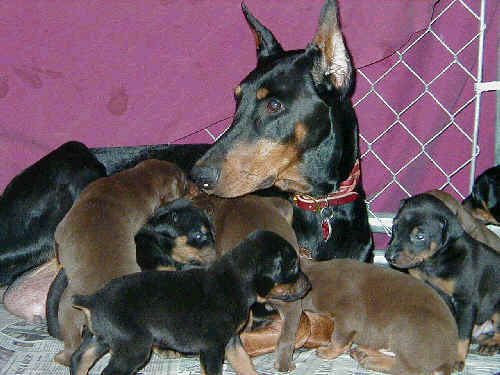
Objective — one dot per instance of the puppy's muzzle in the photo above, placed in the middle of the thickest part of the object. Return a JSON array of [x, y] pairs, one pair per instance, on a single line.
[[291, 292], [400, 259]]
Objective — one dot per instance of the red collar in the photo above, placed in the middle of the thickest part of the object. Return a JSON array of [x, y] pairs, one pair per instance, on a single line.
[[345, 194]]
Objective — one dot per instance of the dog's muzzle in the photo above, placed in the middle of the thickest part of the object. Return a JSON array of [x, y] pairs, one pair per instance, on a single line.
[[291, 292], [205, 177]]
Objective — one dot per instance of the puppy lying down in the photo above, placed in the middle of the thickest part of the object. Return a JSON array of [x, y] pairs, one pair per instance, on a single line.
[[195, 311], [376, 308]]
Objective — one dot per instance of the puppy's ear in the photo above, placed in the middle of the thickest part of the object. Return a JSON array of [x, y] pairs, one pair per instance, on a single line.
[[266, 43], [401, 204], [443, 223], [334, 63]]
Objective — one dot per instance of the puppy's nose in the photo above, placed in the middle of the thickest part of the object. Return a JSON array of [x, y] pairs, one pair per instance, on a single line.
[[205, 177]]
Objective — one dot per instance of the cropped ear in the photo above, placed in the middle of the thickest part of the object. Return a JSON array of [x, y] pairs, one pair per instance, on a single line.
[[334, 62], [266, 43]]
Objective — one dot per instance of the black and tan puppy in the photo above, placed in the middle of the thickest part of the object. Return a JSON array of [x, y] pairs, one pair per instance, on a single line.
[[194, 311], [178, 236], [376, 308], [95, 240], [484, 199], [428, 240]]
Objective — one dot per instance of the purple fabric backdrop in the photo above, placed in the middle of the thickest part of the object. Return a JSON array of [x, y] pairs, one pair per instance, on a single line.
[[112, 73]]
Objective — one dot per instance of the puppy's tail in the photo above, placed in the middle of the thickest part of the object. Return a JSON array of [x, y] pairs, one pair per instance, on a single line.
[[56, 291]]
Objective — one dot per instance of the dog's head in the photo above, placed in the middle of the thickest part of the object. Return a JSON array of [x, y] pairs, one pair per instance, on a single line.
[[179, 235], [422, 227], [484, 199], [294, 125], [272, 266]]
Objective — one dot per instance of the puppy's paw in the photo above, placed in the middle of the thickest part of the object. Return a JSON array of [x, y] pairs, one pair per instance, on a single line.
[[167, 353], [64, 357], [357, 354], [459, 366], [284, 366]]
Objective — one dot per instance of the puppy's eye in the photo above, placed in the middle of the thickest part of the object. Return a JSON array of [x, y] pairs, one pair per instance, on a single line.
[[200, 237], [419, 236], [274, 106], [174, 217]]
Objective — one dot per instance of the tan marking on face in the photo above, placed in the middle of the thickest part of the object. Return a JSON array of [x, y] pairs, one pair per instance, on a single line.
[[184, 253], [237, 90], [251, 167], [300, 132], [407, 258], [262, 93], [296, 289]]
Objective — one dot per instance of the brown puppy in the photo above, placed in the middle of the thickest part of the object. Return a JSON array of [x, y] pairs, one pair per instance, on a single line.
[[95, 240], [235, 218], [376, 308]]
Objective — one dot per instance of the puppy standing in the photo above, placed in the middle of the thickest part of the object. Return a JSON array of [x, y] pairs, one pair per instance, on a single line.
[[428, 240], [235, 218], [196, 311], [95, 240]]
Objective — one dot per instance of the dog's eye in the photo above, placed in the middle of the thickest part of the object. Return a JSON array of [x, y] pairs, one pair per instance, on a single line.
[[419, 236], [274, 106], [200, 237]]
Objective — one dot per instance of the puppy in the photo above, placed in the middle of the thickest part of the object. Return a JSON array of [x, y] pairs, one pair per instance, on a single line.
[[194, 311], [484, 199], [95, 240], [178, 236], [233, 219], [375, 308], [428, 240]]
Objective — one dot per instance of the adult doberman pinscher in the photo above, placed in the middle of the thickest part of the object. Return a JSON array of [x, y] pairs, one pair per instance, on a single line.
[[295, 129]]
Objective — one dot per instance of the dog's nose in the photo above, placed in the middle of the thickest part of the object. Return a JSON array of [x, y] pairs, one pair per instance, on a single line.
[[205, 177]]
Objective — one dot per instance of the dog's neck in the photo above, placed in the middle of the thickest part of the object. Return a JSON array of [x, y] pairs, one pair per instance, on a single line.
[[345, 194]]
